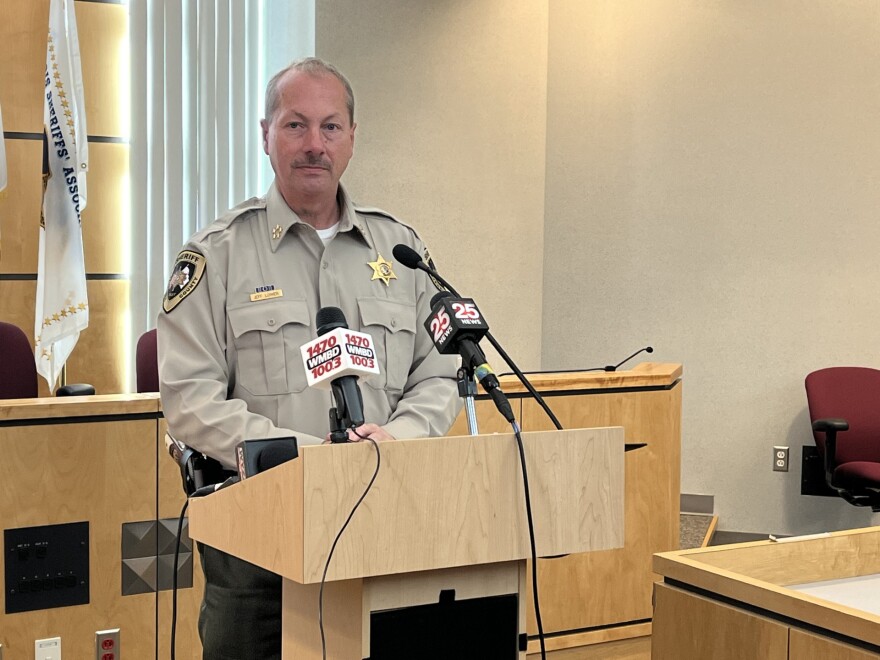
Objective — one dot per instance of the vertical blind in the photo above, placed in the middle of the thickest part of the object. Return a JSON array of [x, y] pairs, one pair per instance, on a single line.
[[198, 75]]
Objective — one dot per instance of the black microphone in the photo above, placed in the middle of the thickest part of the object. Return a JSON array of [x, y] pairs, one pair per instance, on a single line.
[[411, 259], [408, 257], [255, 456], [613, 367], [346, 393], [456, 326]]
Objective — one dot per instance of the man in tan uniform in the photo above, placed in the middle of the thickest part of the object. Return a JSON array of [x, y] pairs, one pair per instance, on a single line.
[[242, 299]]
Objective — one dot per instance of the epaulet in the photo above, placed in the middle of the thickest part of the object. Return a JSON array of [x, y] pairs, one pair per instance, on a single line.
[[240, 212], [372, 210]]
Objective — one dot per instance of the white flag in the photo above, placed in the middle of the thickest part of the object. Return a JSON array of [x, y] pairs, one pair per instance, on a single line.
[[62, 304]]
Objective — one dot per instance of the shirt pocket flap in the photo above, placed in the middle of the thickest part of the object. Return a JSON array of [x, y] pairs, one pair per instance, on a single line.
[[389, 314], [268, 316]]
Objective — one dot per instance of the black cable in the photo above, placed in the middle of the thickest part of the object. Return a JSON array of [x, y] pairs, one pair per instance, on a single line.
[[524, 381], [174, 577], [522, 459], [336, 540]]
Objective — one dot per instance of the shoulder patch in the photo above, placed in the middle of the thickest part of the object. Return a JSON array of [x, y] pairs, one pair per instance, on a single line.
[[426, 257], [185, 277]]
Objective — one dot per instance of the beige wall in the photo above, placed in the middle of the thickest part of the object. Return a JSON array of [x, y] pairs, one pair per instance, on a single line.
[[450, 105], [712, 176], [706, 164]]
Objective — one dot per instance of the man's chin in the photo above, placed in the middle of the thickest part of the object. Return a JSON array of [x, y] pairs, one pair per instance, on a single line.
[[313, 185]]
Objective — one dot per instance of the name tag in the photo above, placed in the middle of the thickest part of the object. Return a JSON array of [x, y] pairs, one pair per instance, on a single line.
[[264, 295]]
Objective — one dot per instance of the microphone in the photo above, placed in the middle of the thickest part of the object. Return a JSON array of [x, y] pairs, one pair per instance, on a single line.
[[613, 367], [255, 456], [336, 359], [456, 326], [411, 259]]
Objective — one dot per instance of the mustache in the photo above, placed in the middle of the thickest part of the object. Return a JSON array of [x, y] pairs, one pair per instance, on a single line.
[[312, 161]]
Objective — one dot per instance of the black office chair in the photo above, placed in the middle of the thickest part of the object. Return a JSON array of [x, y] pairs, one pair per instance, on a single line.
[[844, 405]]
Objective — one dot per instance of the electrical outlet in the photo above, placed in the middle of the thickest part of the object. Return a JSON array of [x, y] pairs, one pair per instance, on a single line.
[[780, 459], [106, 645], [47, 649]]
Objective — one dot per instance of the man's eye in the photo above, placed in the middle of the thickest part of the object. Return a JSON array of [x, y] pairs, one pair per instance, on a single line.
[[295, 124], [332, 127]]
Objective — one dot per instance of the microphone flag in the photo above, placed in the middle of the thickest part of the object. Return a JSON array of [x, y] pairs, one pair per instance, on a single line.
[[62, 308], [340, 352]]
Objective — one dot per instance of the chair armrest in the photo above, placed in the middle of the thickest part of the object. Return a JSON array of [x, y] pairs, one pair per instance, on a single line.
[[830, 426]]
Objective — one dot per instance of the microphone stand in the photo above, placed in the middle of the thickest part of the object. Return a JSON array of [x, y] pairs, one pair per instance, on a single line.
[[467, 390]]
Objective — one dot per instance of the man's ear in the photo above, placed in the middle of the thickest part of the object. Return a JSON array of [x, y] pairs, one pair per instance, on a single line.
[[264, 127]]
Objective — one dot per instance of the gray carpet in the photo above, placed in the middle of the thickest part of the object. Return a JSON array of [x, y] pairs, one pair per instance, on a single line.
[[692, 530]]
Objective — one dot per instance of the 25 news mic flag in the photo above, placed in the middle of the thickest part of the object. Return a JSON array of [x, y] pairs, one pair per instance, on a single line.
[[62, 304]]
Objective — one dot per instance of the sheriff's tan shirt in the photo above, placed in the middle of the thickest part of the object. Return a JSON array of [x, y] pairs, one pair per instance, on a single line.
[[229, 361]]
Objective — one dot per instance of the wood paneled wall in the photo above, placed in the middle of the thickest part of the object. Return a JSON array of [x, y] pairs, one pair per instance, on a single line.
[[99, 357], [100, 460]]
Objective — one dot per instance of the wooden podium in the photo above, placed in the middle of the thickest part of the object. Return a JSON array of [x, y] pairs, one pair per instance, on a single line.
[[445, 515]]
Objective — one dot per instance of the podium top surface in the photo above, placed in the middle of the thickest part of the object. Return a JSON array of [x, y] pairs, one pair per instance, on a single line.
[[646, 374], [436, 503]]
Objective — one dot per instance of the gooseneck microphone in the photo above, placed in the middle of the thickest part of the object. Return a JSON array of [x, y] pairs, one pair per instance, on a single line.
[[613, 367], [411, 259], [456, 326]]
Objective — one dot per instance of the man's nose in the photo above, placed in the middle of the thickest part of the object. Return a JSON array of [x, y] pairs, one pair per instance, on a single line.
[[314, 141]]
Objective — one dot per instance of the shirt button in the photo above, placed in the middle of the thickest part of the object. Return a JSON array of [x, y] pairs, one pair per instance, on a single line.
[[271, 322], [393, 323], [325, 265]]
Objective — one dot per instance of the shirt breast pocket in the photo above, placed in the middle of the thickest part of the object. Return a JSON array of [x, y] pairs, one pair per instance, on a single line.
[[267, 336], [392, 325]]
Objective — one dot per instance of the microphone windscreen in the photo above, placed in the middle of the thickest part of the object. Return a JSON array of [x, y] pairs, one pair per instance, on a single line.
[[329, 318], [407, 256], [649, 349], [440, 295], [275, 454]]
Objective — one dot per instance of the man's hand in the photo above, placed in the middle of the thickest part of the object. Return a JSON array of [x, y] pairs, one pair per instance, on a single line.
[[364, 431], [373, 431]]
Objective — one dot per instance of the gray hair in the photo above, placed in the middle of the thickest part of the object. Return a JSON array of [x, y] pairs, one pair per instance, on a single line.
[[313, 66]]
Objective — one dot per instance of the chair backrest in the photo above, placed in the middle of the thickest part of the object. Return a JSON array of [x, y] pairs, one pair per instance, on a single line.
[[18, 371], [853, 394], [147, 363]]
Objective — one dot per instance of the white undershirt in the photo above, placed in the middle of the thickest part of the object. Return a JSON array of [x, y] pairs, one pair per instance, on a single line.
[[326, 235]]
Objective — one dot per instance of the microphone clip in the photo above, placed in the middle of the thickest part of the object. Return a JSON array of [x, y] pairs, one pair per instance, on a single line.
[[338, 432]]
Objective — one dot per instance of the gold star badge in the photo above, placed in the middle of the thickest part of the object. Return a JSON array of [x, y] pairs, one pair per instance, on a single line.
[[381, 270], [276, 232]]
